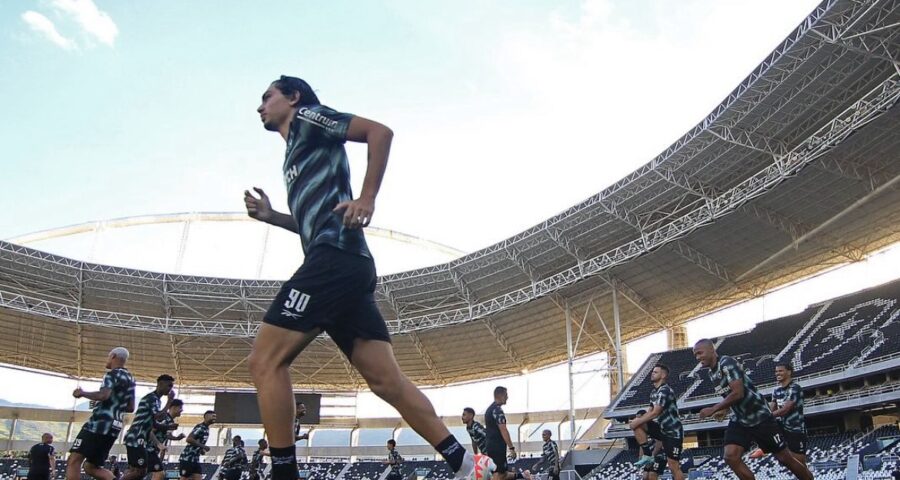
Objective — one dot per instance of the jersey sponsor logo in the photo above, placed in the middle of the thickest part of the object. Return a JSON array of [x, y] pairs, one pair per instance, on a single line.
[[290, 175], [316, 118]]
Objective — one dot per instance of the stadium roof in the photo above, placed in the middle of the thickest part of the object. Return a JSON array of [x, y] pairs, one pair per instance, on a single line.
[[796, 171]]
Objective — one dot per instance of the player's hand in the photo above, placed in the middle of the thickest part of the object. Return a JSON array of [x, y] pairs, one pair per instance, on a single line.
[[720, 415], [305, 436], [162, 452], [180, 437], [707, 412], [171, 395], [511, 453], [357, 213], [205, 449], [78, 393], [634, 424], [258, 208]]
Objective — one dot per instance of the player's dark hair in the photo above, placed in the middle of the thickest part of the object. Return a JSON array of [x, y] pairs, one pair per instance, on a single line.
[[469, 410], [499, 391], [261, 441], [290, 85], [662, 367], [705, 341], [209, 412], [176, 403], [785, 365], [238, 438], [392, 442], [165, 378]]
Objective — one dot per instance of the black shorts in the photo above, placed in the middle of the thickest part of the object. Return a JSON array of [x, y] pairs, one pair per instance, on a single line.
[[154, 463], [499, 458], [333, 290], [232, 474], [671, 445], [186, 469], [94, 447], [796, 441], [767, 435], [137, 457], [32, 475]]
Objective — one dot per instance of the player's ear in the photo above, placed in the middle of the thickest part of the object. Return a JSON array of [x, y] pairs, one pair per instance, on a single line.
[[295, 99]]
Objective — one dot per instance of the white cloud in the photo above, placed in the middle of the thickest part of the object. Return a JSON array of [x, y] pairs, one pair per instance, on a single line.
[[95, 22], [45, 27]]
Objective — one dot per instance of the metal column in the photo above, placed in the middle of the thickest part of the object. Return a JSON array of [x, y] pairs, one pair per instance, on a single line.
[[620, 373], [571, 352]]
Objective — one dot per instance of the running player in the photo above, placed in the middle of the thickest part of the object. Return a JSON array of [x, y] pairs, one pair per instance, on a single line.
[[498, 444], [257, 463], [752, 420], [787, 407], [137, 439], [333, 291], [111, 402], [301, 412], [394, 460], [475, 430], [234, 460], [42, 458], [549, 456], [189, 461], [159, 439], [661, 423]]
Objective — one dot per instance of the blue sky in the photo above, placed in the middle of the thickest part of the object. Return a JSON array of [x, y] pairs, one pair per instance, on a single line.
[[505, 112]]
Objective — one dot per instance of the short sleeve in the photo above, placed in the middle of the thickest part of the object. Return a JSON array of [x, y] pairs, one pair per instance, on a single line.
[[794, 393], [499, 417], [197, 431], [730, 369], [109, 381], [324, 123]]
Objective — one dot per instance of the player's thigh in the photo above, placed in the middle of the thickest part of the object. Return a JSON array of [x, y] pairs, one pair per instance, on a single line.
[[278, 346], [375, 361]]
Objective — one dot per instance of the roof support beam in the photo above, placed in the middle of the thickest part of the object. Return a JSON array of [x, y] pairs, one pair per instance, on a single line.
[[701, 260], [634, 298], [749, 140], [427, 359], [810, 234], [504, 344]]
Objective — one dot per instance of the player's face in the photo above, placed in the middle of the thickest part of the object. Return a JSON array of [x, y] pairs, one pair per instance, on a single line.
[[301, 410], [211, 418], [390, 447], [656, 374], [704, 354], [166, 387], [109, 361], [782, 374], [275, 109], [176, 411], [466, 417], [503, 398], [545, 436]]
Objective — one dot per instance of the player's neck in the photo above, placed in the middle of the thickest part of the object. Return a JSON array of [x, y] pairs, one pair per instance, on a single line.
[[785, 382], [658, 383]]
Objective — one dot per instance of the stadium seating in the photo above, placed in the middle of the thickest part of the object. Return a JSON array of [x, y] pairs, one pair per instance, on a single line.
[[827, 456]]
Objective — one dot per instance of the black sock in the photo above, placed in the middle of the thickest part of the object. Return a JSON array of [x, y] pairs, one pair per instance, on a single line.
[[452, 451], [284, 463], [647, 448]]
